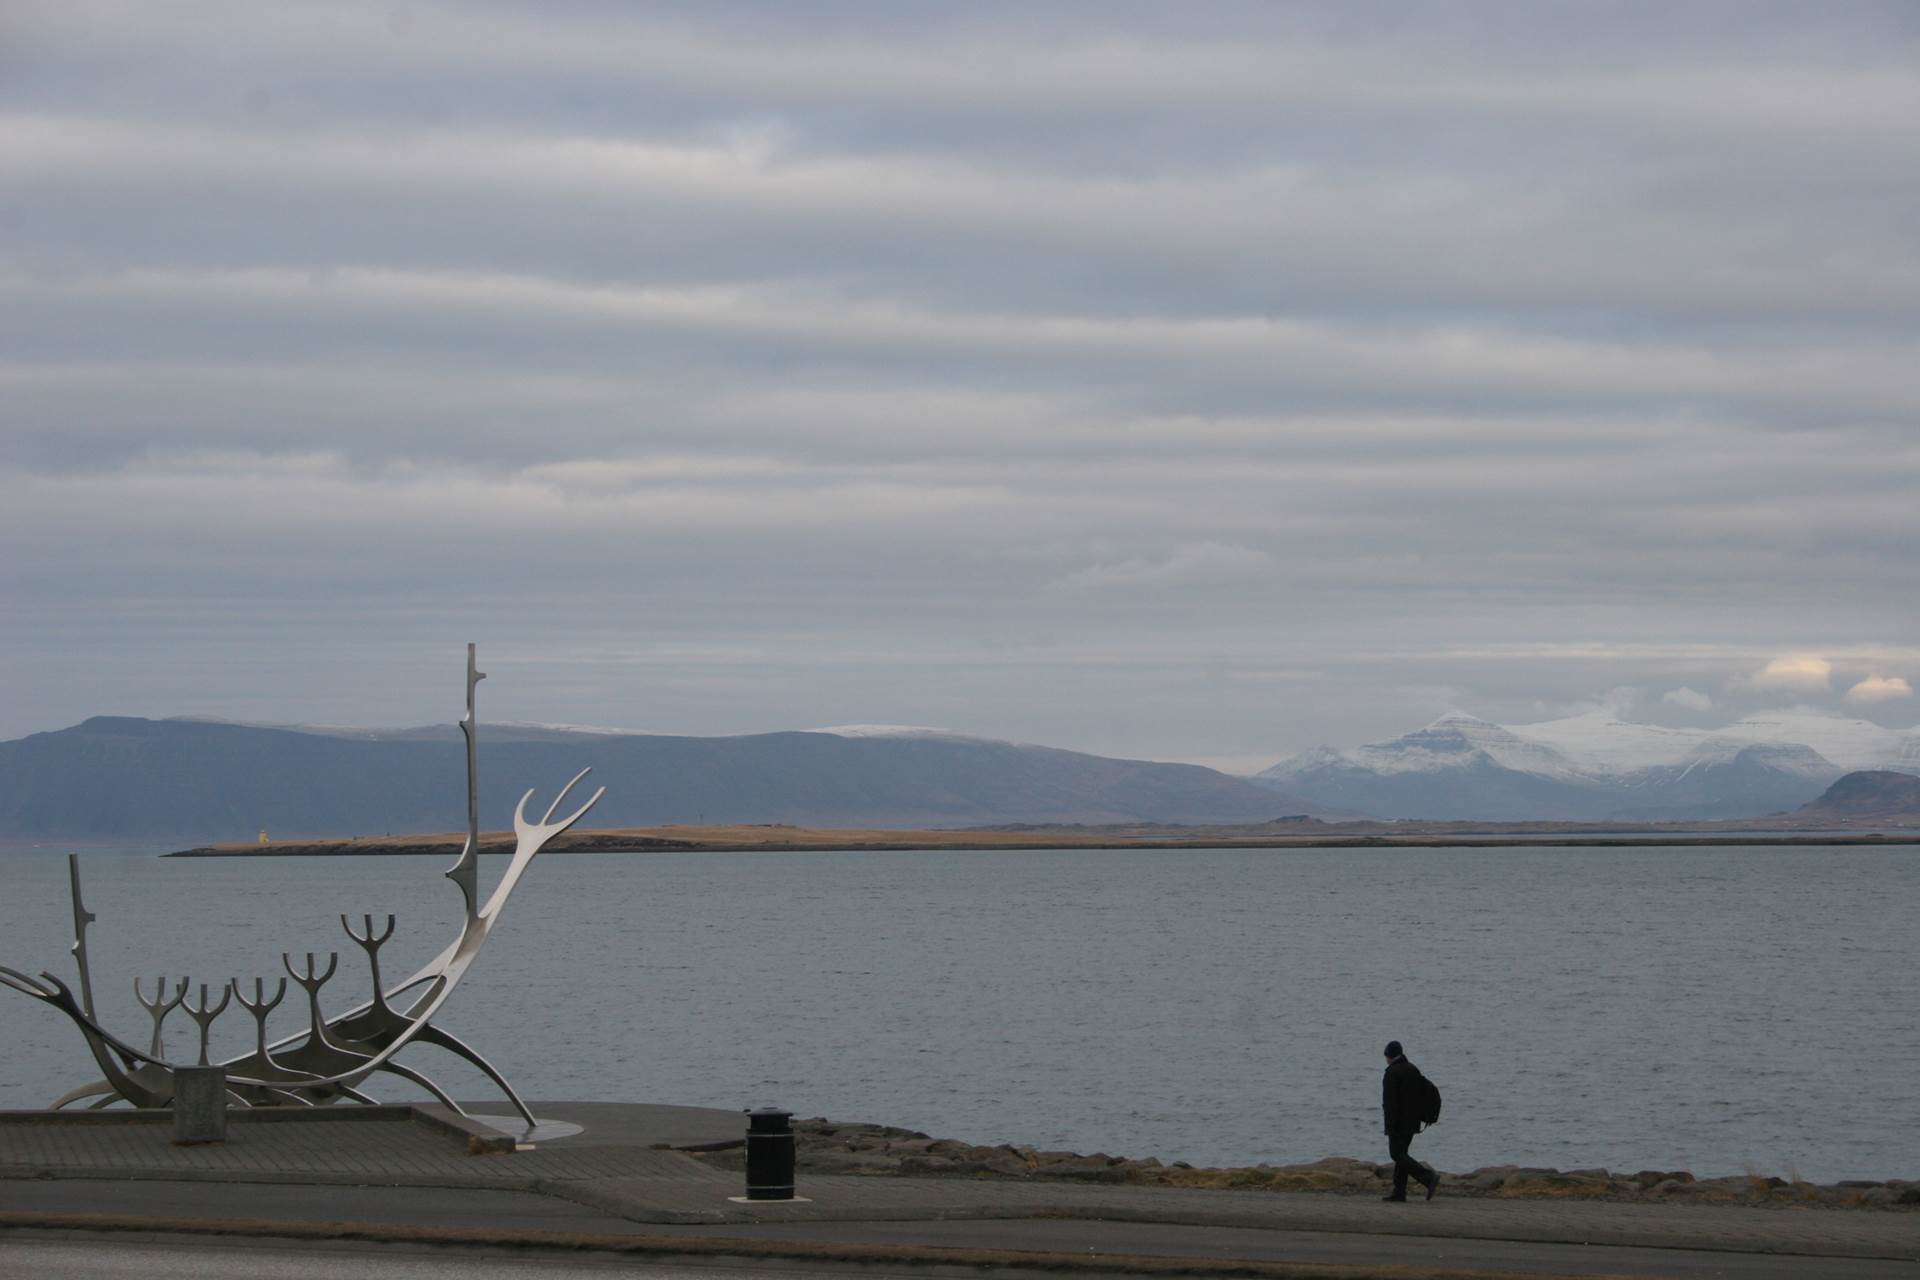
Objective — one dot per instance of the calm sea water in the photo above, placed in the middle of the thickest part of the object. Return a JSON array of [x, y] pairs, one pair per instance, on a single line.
[[1717, 1010]]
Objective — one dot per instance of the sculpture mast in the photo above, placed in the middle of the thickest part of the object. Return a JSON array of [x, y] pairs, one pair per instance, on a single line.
[[81, 919], [465, 872]]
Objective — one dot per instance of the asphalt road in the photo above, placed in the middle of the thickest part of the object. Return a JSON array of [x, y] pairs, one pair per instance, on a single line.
[[1347, 1248], [25, 1254], [110, 1257], [124, 1260]]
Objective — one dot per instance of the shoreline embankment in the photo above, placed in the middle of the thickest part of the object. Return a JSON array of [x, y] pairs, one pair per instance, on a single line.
[[830, 1147]]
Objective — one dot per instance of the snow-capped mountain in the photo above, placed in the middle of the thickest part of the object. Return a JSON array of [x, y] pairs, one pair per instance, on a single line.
[[1850, 744], [1453, 741], [1596, 767]]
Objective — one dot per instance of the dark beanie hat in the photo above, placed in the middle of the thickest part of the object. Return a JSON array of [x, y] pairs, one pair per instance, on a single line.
[[1393, 1049]]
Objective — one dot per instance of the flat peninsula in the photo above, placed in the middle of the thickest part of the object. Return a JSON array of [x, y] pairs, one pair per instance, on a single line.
[[1289, 833]]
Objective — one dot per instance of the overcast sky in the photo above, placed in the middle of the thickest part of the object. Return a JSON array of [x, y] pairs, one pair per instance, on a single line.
[[1198, 381]]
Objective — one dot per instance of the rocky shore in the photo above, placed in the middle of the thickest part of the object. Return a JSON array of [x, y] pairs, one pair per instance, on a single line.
[[828, 1147]]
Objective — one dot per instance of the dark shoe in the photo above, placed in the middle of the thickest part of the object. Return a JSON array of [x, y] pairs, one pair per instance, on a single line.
[[1433, 1183], [1393, 1199]]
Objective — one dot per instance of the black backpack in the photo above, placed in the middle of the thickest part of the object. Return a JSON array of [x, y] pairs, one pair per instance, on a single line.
[[1429, 1101]]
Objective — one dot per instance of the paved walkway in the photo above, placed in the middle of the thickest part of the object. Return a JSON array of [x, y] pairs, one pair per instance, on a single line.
[[617, 1142], [616, 1174]]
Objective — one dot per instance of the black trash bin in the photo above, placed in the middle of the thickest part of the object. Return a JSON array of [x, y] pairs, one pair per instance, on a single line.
[[769, 1154]]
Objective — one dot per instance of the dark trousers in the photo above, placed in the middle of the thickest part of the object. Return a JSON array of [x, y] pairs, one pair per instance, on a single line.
[[1404, 1165]]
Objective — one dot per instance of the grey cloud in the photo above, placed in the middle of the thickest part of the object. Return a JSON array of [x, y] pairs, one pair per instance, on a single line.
[[1105, 56], [546, 322], [1079, 374], [1314, 239]]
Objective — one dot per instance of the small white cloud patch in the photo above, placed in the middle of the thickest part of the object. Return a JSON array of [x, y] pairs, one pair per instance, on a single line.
[[1691, 699], [1794, 673], [1880, 689]]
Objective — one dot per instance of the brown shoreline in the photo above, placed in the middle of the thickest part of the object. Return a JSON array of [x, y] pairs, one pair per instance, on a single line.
[[783, 839]]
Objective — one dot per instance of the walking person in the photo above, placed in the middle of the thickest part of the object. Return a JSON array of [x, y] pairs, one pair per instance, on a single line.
[[1407, 1099]]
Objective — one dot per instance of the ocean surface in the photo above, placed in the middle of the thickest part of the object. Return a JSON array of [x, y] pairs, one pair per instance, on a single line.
[[1720, 1010]]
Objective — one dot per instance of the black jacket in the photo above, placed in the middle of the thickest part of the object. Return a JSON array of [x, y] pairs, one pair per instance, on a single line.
[[1400, 1096]]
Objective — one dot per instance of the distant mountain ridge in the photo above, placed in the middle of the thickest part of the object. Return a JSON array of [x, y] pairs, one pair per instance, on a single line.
[[1871, 795], [1595, 767], [209, 780], [117, 777]]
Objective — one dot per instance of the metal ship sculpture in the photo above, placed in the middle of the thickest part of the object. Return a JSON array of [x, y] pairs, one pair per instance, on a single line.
[[334, 1057]]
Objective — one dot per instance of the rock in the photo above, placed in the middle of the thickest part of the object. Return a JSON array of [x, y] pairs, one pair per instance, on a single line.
[[836, 1160], [1731, 1188], [1551, 1182], [1488, 1179], [1094, 1168]]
